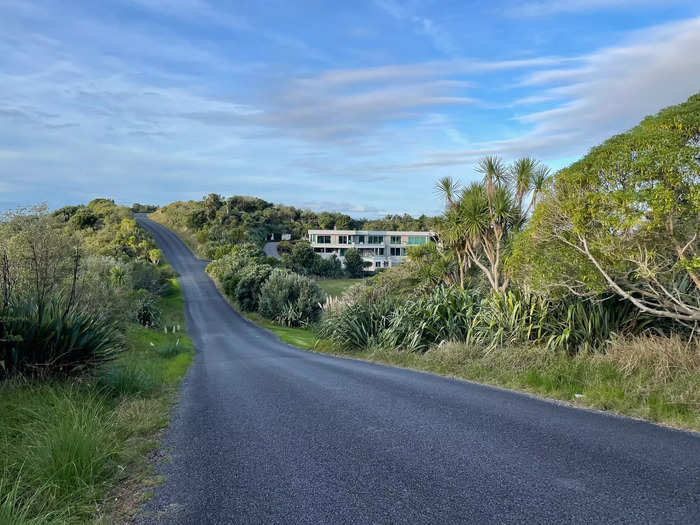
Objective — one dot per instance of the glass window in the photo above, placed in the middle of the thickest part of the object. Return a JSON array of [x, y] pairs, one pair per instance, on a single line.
[[386, 264], [342, 239], [375, 239], [360, 239], [416, 240], [395, 239], [379, 251], [324, 239], [342, 251]]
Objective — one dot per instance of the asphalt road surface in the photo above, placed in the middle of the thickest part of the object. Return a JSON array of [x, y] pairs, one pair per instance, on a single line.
[[270, 249], [266, 433]]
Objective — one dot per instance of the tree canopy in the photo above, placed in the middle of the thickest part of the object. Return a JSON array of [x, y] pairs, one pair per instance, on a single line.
[[626, 218]]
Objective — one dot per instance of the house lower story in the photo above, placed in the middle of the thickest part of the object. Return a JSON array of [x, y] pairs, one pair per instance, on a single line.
[[380, 249]]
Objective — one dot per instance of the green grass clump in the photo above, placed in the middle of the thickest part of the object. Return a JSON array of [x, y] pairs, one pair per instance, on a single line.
[[169, 350], [71, 445], [16, 509], [130, 379], [59, 441]]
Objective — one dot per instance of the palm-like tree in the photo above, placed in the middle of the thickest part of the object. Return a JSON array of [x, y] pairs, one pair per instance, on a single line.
[[480, 219], [540, 182], [523, 172], [448, 188], [494, 172]]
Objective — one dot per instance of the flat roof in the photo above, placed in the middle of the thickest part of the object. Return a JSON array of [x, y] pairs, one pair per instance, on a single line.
[[367, 232]]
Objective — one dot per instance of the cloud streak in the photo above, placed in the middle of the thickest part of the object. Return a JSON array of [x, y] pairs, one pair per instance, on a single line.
[[148, 112]]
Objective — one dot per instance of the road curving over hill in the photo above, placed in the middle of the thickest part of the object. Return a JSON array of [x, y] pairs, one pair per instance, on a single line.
[[267, 433]]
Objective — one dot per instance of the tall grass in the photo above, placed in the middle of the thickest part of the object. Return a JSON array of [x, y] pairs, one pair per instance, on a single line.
[[133, 379], [647, 376], [17, 508], [68, 449]]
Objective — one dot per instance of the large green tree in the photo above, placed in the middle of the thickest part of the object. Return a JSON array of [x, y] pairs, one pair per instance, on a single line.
[[626, 219]]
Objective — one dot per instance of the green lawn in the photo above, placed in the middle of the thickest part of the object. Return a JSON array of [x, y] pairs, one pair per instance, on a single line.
[[336, 287], [76, 451]]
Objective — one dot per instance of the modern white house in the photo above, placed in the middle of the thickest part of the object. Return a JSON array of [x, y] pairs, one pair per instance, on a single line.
[[381, 249]]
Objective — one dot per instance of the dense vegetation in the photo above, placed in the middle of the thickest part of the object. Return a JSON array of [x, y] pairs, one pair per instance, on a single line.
[[257, 283], [212, 226], [578, 270], [90, 352], [595, 291]]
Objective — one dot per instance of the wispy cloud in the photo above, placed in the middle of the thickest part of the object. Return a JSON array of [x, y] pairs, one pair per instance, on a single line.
[[185, 97], [536, 8], [607, 92], [406, 11]]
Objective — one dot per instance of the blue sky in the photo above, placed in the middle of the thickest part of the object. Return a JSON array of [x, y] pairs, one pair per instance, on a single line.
[[350, 106]]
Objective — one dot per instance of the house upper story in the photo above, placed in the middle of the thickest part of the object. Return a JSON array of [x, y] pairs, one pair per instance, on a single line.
[[381, 248]]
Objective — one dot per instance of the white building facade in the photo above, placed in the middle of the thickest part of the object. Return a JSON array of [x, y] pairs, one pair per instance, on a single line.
[[382, 249]]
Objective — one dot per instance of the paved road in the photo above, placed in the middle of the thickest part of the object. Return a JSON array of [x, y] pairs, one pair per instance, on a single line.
[[266, 433], [270, 249]]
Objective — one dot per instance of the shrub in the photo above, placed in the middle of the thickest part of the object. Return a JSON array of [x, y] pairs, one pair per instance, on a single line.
[[147, 276], [58, 343], [330, 267], [119, 380], [247, 291], [302, 258], [446, 314], [359, 325], [284, 288], [147, 312], [240, 255], [229, 282], [354, 264]]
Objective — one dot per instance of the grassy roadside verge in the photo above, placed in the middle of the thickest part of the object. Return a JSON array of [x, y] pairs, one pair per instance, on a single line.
[[641, 378], [304, 338], [77, 451]]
